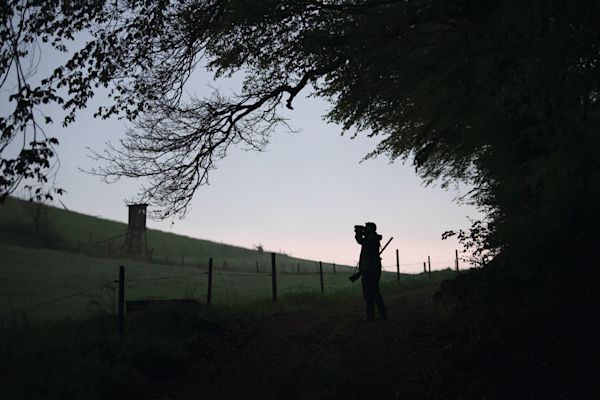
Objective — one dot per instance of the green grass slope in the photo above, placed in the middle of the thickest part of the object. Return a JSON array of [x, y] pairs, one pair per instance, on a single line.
[[39, 284], [70, 231], [55, 271]]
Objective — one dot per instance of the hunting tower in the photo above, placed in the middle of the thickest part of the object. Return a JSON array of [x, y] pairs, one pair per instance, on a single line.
[[135, 241]]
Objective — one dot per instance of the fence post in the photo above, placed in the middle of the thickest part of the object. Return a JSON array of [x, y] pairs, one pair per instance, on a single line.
[[121, 304], [334, 268], [456, 259], [321, 274], [424, 267], [397, 265], [209, 291], [274, 277], [429, 264]]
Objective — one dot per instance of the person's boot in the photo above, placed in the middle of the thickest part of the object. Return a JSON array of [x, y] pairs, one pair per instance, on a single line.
[[383, 314], [370, 312]]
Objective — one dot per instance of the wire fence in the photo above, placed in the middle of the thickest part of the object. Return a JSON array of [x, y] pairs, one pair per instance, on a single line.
[[230, 286], [53, 301], [165, 252]]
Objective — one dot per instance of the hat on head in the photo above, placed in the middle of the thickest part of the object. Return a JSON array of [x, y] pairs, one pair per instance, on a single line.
[[371, 225]]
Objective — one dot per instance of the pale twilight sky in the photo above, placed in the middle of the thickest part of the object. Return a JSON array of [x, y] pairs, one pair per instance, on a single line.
[[302, 196]]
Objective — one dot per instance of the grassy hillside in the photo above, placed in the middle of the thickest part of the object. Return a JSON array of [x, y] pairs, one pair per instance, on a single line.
[[31, 279], [79, 233], [55, 271]]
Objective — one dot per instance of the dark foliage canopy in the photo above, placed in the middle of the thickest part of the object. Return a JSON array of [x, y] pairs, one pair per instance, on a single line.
[[501, 94]]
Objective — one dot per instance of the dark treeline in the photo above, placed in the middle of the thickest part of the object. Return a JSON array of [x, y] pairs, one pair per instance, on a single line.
[[501, 95]]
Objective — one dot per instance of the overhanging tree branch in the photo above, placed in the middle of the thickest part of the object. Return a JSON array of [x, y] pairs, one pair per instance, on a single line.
[[175, 146]]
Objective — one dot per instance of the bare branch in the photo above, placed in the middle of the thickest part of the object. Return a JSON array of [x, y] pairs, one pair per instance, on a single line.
[[174, 148]]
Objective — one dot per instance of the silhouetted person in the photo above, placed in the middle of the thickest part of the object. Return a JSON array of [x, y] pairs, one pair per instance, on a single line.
[[370, 267]]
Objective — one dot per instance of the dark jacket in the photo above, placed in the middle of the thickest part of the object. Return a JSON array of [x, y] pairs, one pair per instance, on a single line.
[[369, 252]]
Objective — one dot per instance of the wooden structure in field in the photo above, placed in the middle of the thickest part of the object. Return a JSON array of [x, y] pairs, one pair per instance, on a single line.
[[135, 240]]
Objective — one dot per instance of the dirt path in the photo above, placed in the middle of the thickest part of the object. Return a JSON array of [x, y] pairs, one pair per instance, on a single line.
[[332, 353]]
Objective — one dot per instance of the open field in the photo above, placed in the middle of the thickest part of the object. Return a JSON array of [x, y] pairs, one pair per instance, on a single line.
[[56, 271], [83, 234], [32, 279], [77, 256], [30, 276]]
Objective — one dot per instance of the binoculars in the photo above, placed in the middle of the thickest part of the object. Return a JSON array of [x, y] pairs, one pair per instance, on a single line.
[[360, 229]]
